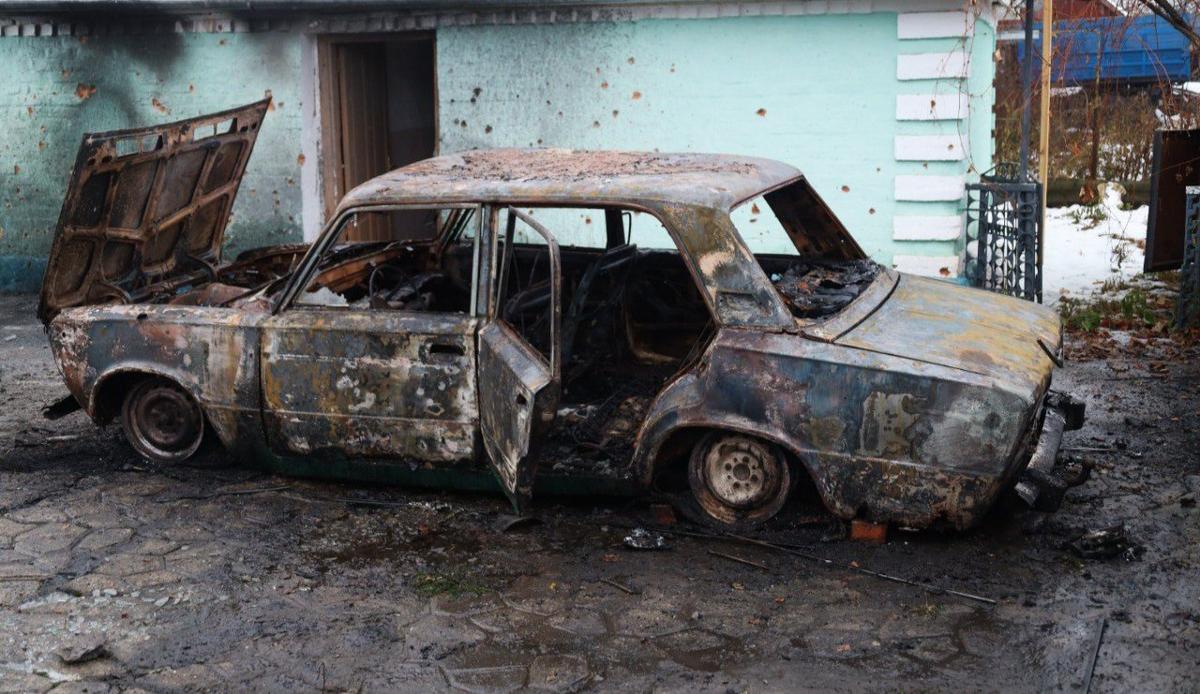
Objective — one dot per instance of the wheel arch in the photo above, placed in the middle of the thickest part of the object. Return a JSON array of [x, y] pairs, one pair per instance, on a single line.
[[670, 443], [104, 401]]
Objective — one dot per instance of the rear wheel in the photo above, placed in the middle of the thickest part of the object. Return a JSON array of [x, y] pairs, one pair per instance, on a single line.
[[162, 421], [737, 481]]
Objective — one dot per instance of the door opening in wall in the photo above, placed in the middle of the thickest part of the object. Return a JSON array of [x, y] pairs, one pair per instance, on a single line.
[[378, 112]]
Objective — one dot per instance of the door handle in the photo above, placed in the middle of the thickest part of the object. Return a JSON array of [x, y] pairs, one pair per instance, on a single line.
[[446, 348]]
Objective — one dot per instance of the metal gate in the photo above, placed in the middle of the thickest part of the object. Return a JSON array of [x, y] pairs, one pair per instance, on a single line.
[[1188, 313], [1004, 212]]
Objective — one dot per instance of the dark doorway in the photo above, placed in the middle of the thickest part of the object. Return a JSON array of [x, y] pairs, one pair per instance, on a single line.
[[378, 110]]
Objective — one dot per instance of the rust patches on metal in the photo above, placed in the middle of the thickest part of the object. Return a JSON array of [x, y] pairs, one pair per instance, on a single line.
[[904, 400], [83, 92]]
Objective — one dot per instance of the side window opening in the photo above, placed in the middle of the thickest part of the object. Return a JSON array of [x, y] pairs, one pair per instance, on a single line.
[[428, 266], [632, 318], [810, 258]]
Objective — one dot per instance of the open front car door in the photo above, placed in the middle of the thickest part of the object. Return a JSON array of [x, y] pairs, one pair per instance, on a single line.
[[519, 353]]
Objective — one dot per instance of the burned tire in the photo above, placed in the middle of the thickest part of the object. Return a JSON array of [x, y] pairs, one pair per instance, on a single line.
[[737, 482], [162, 421]]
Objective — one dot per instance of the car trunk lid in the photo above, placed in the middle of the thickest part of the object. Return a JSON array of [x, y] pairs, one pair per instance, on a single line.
[[981, 332], [147, 204]]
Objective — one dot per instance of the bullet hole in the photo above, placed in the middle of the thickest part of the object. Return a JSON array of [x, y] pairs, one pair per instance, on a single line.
[[932, 104], [472, 99], [560, 114], [630, 61], [616, 113], [871, 211], [222, 42], [487, 128], [41, 144], [84, 91], [761, 112], [587, 220], [158, 105], [191, 88], [672, 67], [476, 91], [636, 95], [29, 111], [925, 165], [547, 102], [463, 123], [539, 140], [944, 272], [604, 85], [595, 124], [66, 72], [300, 159], [278, 103], [845, 189], [16, 169], [878, 169], [754, 208]]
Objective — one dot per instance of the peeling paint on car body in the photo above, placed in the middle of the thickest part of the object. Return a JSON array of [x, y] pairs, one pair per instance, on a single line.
[[918, 403]]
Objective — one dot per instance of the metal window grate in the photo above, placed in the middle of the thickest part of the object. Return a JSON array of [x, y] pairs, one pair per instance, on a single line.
[[1004, 213]]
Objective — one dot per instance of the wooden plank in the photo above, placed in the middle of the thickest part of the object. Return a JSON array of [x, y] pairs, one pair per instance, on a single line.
[[930, 107], [933, 66], [923, 188], [933, 25], [927, 265], [930, 147], [927, 227]]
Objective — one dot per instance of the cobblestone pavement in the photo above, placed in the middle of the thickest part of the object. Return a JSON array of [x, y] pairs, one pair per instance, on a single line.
[[116, 574]]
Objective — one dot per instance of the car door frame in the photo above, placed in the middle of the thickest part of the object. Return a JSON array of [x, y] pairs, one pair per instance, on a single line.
[[519, 387], [425, 445]]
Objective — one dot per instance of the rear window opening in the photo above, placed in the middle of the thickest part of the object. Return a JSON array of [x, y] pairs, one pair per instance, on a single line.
[[810, 258]]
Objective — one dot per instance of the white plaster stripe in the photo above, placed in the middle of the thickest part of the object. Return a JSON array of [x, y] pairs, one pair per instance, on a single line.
[[920, 188], [933, 25], [927, 228], [930, 147], [948, 106], [927, 265], [933, 66]]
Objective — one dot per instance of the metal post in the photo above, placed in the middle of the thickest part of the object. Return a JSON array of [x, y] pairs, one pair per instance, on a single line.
[[1044, 133], [1026, 91]]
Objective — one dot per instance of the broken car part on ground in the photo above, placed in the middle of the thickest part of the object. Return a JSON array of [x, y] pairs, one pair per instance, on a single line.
[[437, 324]]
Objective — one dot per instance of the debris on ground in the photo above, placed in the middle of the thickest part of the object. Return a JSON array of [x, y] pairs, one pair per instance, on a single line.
[[84, 650], [640, 538], [1106, 544]]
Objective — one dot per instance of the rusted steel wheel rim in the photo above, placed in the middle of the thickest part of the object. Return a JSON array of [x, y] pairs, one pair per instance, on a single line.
[[738, 480], [162, 421]]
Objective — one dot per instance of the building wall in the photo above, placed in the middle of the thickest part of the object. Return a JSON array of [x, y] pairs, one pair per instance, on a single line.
[[837, 93], [822, 92], [55, 88]]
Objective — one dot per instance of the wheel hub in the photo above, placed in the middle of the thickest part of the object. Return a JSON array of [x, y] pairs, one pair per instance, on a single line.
[[740, 473]]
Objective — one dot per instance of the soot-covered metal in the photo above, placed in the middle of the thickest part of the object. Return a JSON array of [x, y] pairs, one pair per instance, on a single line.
[[462, 354]]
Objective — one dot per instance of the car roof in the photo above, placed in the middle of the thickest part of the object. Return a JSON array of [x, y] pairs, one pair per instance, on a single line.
[[575, 177]]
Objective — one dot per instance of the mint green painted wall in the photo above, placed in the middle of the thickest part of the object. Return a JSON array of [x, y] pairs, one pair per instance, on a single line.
[[186, 74], [827, 86]]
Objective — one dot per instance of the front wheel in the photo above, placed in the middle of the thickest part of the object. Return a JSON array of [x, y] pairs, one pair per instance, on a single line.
[[738, 482], [162, 421]]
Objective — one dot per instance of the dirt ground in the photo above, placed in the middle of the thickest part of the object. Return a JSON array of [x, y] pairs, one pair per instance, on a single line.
[[117, 574]]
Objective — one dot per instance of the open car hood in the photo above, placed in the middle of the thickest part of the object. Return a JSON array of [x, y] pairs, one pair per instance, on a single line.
[[146, 204]]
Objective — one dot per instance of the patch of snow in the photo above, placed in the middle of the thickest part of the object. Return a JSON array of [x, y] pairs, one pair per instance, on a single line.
[[1084, 251]]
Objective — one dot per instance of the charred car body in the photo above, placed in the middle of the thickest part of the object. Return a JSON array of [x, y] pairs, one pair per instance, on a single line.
[[436, 328]]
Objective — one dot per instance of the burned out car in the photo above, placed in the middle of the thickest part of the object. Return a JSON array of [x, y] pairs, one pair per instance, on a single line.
[[441, 331]]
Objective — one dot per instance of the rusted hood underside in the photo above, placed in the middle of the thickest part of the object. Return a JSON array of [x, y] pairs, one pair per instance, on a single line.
[[147, 203], [968, 329]]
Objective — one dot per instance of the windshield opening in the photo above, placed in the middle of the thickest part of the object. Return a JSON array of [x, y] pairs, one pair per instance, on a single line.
[[810, 257]]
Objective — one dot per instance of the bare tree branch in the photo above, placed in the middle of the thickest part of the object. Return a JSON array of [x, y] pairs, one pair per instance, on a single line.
[[1173, 16]]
